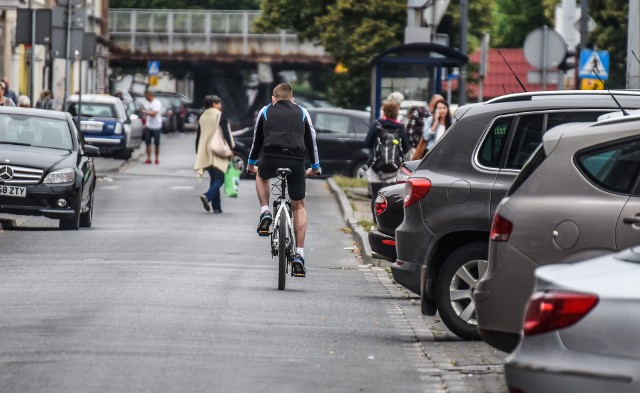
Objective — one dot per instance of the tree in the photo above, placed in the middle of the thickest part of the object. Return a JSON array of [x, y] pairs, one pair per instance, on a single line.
[[480, 21], [611, 17], [351, 31], [514, 19]]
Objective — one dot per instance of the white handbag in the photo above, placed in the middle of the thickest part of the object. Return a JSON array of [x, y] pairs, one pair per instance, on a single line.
[[218, 145]]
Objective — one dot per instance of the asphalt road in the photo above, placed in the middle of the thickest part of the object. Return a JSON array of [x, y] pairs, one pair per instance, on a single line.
[[162, 296]]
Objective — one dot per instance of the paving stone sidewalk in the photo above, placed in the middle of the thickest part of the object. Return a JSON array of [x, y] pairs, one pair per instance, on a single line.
[[444, 362]]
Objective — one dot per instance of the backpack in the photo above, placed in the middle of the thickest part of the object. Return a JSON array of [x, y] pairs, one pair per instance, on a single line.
[[388, 153]]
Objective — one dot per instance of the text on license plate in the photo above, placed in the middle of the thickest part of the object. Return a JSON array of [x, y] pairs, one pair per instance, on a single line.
[[13, 191]]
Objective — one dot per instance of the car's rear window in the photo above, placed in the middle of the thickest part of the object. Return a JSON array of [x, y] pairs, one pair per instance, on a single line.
[[35, 131], [614, 167], [93, 109]]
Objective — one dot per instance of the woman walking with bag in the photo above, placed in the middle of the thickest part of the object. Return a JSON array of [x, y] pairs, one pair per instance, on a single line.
[[211, 122]]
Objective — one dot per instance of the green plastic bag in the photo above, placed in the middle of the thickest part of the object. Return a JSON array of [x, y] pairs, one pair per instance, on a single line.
[[231, 181]]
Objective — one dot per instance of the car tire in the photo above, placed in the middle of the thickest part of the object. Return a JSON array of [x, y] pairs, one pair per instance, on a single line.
[[359, 170], [86, 218], [456, 282], [240, 162], [73, 223]]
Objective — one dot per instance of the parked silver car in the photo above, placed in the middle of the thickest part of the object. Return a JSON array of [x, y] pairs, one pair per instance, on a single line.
[[577, 197], [581, 329]]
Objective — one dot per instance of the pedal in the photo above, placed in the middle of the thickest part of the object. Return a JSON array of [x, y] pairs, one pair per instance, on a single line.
[[264, 233]]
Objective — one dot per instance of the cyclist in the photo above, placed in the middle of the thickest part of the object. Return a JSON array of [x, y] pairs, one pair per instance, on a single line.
[[282, 132]]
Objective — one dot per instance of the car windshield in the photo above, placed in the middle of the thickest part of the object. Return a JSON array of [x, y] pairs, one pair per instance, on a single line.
[[35, 131]]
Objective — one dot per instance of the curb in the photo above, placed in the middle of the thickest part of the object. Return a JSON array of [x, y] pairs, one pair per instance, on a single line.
[[359, 234]]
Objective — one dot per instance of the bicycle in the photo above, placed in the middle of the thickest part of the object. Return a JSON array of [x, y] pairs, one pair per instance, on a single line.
[[283, 239]]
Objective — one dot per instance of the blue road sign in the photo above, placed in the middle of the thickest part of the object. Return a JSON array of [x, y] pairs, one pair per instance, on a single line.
[[153, 68], [594, 63]]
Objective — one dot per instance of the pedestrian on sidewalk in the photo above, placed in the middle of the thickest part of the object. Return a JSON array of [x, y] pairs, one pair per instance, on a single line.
[[45, 101], [388, 142], [5, 101], [9, 93], [153, 125], [428, 137], [211, 121], [24, 101]]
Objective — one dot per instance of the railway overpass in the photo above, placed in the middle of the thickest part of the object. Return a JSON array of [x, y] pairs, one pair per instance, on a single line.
[[218, 50]]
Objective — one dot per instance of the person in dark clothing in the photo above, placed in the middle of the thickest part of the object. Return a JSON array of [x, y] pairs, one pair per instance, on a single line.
[[379, 178], [282, 133]]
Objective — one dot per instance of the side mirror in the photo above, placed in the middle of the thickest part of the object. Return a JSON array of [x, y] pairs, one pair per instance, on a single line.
[[133, 117], [91, 151]]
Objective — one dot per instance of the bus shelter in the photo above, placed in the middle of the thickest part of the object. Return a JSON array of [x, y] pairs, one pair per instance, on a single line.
[[415, 70]]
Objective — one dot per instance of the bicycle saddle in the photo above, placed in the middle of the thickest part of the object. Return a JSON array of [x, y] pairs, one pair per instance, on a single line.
[[283, 171]]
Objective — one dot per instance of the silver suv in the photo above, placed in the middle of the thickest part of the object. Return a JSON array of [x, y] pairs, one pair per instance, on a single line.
[[577, 198], [442, 244]]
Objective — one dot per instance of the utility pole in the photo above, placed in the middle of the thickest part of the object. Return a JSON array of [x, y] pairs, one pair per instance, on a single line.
[[464, 28], [633, 46], [584, 24]]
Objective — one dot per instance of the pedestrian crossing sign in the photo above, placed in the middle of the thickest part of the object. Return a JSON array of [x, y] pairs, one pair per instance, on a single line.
[[594, 64], [153, 68]]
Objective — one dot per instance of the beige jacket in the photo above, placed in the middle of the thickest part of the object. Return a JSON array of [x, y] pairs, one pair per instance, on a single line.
[[209, 124]]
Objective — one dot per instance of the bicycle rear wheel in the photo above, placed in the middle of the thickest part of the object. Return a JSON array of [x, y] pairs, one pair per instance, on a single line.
[[282, 251]]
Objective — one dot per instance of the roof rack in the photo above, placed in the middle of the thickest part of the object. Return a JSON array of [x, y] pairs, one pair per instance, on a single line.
[[555, 93]]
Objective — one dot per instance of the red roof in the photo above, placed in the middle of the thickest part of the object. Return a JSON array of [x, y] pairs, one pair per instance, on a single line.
[[499, 79]]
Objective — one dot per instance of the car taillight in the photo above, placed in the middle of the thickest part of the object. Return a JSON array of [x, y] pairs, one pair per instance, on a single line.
[[549, 311], [403, 175], [500, 229], [380, 204], [415, 189]]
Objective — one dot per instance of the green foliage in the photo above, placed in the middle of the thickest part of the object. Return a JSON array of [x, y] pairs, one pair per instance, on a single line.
[[181, 4], [611, 17], [480, 21], [514, 19], [351, 31], [297, 15], [350, 182]]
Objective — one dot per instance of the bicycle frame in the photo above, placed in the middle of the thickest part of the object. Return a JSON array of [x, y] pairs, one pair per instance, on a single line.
[[283, 239]]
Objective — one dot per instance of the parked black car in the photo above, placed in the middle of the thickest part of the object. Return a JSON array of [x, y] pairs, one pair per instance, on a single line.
[[443, 241], [179, 108], [46, 169], [389, 212], [340, 135]]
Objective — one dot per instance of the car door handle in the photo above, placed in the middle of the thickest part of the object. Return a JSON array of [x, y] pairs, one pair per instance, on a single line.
[[631, 220], [343, 139]]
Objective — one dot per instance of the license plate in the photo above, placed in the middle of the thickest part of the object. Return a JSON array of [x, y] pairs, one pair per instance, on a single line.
[[91, 126], [13, 191]]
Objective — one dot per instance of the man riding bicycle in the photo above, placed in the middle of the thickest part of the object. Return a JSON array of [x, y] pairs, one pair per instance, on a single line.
[[282, 132]]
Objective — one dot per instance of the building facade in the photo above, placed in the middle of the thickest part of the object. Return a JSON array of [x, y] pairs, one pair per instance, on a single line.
[[63, 77]]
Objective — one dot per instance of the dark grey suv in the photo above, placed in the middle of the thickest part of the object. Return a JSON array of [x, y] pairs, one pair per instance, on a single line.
[[442, 244]]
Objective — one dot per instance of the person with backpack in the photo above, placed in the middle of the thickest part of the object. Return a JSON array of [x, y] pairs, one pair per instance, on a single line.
[[388, 141]]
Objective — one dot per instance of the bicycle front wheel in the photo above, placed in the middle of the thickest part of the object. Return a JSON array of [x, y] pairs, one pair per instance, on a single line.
[[282, 252]]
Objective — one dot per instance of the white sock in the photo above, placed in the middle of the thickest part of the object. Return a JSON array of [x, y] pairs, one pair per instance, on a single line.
[[300, 250], [264, 208]]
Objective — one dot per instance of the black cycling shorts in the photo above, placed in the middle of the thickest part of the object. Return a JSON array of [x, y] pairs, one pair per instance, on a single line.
[[268, 166]]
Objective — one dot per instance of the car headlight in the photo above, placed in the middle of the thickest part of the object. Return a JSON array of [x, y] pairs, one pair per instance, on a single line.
[[66, 175], [118, 129]]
